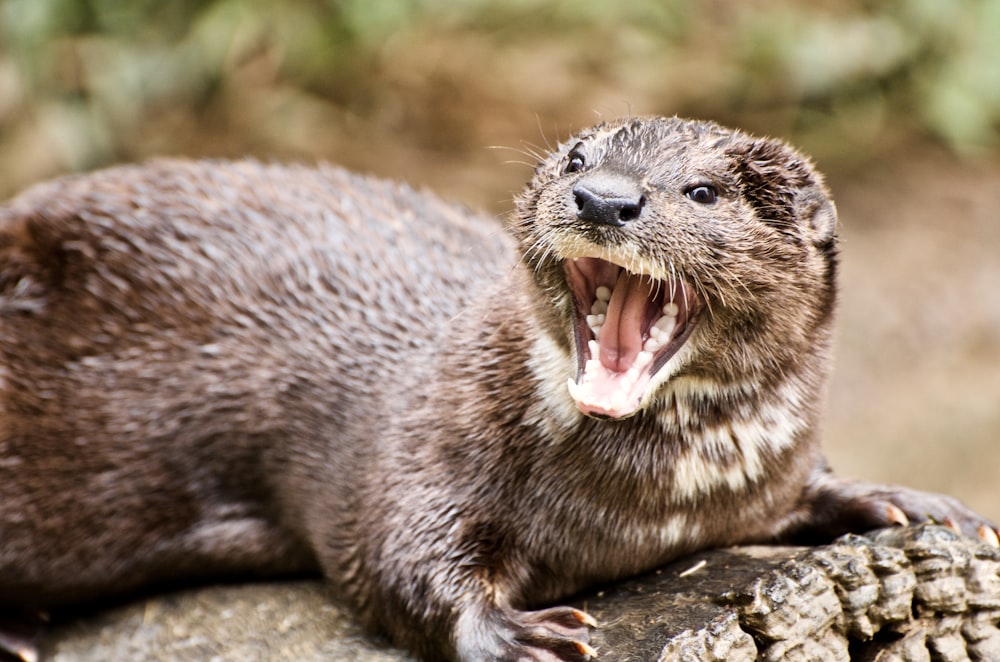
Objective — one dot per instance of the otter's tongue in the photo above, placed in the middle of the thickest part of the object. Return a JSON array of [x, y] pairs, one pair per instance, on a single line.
[[616, 376], [621, 335]]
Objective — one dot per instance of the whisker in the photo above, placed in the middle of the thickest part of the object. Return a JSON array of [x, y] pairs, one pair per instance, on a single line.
[[541, 132], [705, 296], [734, 280], [531, 151], [673, 279], [658, 286], [719, 290]]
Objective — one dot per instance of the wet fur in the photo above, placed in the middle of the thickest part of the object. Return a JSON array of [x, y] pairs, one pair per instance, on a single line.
[[210, 368]]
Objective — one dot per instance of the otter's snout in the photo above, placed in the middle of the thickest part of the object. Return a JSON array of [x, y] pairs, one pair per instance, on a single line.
[[608, 198]]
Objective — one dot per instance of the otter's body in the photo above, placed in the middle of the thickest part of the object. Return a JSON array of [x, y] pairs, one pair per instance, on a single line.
[[215, 368]]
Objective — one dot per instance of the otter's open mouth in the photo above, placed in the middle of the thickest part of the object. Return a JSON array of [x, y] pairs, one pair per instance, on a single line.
[[627, 327]]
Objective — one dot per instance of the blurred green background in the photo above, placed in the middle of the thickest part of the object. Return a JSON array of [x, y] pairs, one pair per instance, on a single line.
[[403, 87], [898, 100]]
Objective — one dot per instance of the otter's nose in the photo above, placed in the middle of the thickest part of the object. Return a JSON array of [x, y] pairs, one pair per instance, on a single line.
[[608, 198]]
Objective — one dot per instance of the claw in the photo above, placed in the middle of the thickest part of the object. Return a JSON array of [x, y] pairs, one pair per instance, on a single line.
[[585, 618], [988, 535], [896, 516], [21, 651], [952, 524], [588, 652], [18, 633]]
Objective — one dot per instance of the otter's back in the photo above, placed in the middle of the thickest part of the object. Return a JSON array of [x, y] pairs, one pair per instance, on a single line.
[[212, 246]]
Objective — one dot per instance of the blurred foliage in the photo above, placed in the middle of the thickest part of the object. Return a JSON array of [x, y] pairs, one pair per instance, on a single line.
[[382, 84]]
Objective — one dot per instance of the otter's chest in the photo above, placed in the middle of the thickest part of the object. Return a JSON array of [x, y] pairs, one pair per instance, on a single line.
[[652, 494]]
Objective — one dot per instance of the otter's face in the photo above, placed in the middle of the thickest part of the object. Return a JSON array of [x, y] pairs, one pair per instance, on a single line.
[[669, 248]]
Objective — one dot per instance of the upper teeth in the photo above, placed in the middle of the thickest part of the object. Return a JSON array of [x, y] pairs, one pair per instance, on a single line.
[[595, 320]]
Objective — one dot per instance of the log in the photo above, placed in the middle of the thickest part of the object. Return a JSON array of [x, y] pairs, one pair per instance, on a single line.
[[904, 594]]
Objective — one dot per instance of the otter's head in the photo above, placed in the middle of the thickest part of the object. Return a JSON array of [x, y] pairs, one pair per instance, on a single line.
[[668, 249]]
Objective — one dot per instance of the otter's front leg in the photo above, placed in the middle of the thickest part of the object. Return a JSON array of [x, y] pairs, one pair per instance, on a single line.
[[493, 632], [470, 624], [831, 506], [459, 603]]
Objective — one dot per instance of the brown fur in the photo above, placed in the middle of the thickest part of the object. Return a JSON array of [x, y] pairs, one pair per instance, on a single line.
[[211, 368]]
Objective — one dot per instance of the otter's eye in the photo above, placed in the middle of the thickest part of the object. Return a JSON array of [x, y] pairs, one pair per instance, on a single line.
[[576, 160], [702, 194]]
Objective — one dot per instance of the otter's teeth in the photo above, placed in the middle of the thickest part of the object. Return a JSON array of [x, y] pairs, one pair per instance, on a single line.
[[576, 391], [659, 333], [670, 309], [599, 309], [603, 391], [665, 325]]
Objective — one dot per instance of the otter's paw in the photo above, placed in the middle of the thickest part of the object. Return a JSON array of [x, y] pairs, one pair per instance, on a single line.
[[901, 505], [559, 634], [841, 506]]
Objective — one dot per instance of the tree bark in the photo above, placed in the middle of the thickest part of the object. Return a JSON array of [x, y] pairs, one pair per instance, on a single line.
[[904, 594]]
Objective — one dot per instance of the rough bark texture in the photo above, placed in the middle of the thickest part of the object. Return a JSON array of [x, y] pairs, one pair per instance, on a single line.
[[907, 594]]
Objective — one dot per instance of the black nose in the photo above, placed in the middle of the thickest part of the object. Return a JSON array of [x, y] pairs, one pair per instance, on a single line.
[[608, 198]]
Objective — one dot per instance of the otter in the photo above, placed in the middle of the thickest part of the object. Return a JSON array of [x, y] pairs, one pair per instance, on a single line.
[[228, 368]]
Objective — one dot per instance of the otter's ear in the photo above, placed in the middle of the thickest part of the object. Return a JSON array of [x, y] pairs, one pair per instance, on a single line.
[[785, 188], [818, 213]]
